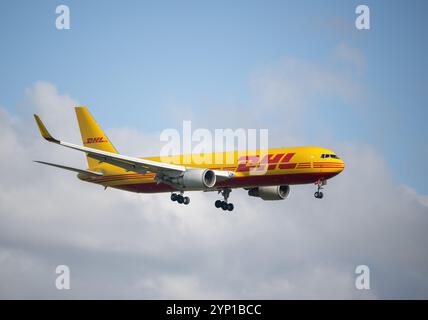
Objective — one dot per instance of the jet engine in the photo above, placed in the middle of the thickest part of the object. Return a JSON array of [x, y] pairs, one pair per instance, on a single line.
[[197, 179], [270, 192]]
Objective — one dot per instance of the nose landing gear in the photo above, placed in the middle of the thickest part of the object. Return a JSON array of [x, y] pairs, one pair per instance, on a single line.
[[318, 194], [320, 183]]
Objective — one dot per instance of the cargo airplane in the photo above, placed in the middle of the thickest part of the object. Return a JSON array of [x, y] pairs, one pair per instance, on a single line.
[[278, 168]]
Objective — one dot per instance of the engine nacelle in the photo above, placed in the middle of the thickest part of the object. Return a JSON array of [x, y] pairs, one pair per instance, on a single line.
[[270, 192], [196, 179]]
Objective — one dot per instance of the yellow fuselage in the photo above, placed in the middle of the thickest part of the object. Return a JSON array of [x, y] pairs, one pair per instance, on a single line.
[[280, 166]]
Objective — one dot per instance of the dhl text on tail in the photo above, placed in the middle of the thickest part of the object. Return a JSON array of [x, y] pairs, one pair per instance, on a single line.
[[266, 174]]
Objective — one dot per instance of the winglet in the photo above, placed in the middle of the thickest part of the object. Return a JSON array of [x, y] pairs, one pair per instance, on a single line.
[[44, 132]]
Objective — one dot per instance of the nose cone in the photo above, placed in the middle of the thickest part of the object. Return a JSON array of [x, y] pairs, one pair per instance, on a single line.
[[341, 166], [329, 162]]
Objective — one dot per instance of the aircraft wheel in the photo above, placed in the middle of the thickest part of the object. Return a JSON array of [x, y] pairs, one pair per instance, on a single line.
[[186, 200], [173, 197], [224, 205], [180, 199], [316, 194], [218, 203], [320, 195], [230, 206]]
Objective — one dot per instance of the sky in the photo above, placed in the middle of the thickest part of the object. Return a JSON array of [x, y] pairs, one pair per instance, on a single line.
[[299, 68], [128, 61]]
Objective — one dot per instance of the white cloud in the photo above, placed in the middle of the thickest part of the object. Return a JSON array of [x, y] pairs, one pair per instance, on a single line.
[[351, 56], [122, 245], [55, 108], [293, 81]]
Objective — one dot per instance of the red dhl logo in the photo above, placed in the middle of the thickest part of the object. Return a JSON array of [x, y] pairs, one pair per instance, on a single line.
[[96, 140], [269, 162]]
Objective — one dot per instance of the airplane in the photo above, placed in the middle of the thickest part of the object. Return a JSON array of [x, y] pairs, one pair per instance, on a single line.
[[279, 168]]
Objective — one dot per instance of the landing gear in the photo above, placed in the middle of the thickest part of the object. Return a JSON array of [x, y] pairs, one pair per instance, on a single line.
[[320, 183], [179, 198], [319, 194], [224, 204]]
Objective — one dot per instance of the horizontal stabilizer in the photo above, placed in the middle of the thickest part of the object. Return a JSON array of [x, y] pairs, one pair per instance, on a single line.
[[71, 169]]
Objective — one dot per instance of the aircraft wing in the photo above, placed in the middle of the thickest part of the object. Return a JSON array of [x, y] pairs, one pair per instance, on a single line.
[[128, 163]]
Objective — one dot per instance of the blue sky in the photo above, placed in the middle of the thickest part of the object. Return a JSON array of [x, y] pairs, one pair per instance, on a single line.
[[129, 61]]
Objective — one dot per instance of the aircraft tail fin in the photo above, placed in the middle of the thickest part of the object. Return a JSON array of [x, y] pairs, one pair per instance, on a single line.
[[92, 135]]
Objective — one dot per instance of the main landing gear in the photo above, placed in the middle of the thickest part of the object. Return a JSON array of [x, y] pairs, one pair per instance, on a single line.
[[320, 183], [179, 198], [224, 204]]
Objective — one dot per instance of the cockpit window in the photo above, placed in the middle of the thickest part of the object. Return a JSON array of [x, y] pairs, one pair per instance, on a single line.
[[327, 155]]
